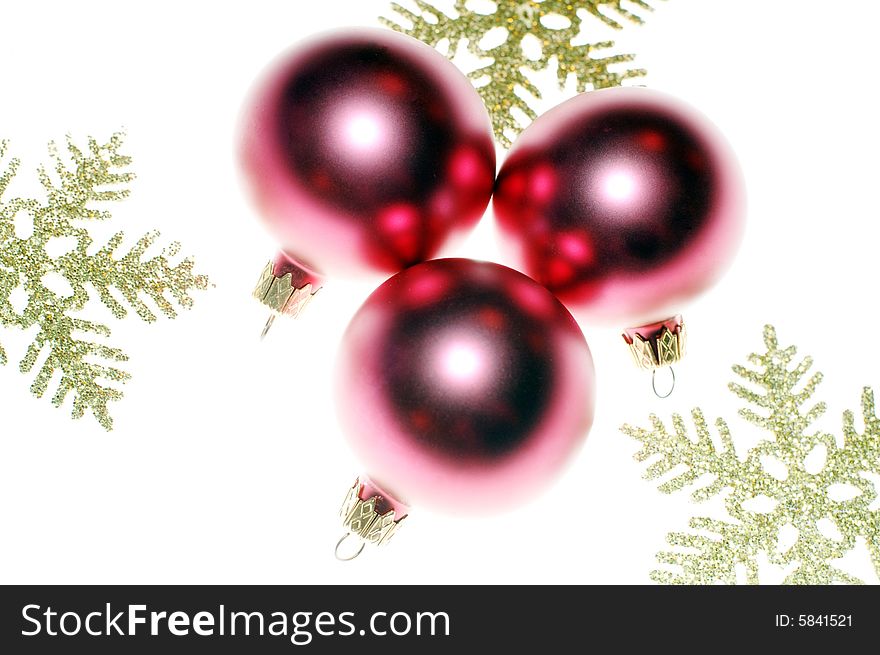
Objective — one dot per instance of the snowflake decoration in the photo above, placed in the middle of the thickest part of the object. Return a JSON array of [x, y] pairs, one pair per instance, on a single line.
[[62, 339], [503, 83], [804, 499]]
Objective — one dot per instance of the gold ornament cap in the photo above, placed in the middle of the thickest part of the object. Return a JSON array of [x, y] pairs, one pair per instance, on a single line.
[[286, 286], [370, 514], [658, 344]]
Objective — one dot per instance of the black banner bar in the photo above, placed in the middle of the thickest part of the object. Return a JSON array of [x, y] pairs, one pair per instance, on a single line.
[[421, 619]]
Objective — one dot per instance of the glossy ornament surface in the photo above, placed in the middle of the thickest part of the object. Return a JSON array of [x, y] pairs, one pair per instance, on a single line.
[[464, 385], [366, 150], [624, 202]]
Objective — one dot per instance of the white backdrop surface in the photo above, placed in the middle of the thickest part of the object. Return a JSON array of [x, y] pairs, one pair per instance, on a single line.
[[226, 464]]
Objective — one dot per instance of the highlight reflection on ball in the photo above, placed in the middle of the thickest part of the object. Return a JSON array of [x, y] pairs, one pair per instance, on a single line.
[[366, 150], [464, 385], [624, 202]]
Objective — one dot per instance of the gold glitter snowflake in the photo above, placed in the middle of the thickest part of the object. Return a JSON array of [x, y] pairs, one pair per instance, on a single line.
[[62, 341], [807, 501], [503, 82]]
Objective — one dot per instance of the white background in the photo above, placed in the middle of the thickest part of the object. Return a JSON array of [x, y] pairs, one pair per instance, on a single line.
[[226, 464]]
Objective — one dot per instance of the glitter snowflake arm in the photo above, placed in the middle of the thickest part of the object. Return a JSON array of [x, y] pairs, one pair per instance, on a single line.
[[503, 81], [825, 523], [596, 7], [860, 454], [430, 25], [709, 558], [496, 83], [132, 275], [590, 72], [10, 169], [77, 188], [778, 401], [96, 176], [690, 459], [8, 279], [69, 355]]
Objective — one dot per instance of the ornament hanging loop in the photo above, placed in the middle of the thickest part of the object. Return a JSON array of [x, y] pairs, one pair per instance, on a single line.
[[268, 326], [658, 345], [671, 384], [368, 514], [350, 556]]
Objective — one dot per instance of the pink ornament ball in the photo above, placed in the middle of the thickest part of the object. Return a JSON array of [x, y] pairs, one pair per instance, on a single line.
[[624, 202], [464, 385], [366, 151]]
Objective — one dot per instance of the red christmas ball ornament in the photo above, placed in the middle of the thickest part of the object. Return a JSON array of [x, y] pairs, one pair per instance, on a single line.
[[463, 385], [366, 151], [623, 202]]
